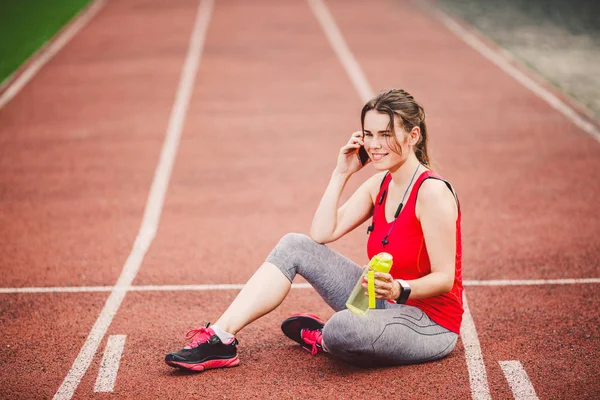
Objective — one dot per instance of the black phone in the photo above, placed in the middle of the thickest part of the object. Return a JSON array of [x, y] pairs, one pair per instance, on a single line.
[[363, 156]]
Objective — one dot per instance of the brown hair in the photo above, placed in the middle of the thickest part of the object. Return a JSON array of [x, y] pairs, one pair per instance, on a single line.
[[398, 103]]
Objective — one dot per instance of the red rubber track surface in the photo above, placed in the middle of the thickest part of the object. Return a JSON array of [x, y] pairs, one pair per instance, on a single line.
[[552, 330], [271, 365], [526, 176], [80, 143], [41, 336], [271, 107]]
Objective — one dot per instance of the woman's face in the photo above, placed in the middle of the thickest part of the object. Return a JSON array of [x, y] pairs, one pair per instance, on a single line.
[[381, 144]]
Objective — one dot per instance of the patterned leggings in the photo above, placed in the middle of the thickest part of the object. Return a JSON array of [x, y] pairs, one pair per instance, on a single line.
[[392, 334]]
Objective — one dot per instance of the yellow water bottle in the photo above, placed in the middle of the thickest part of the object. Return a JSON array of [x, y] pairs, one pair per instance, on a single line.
[[358, 302]]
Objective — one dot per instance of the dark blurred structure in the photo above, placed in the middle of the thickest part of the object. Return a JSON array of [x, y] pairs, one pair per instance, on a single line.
[[576, 16], [559, 39]]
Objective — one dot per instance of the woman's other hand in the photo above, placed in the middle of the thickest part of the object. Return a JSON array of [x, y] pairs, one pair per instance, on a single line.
[[348, 161], [386, 287]]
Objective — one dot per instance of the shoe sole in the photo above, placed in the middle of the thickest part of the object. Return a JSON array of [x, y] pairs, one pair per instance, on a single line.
[[292, 326], [211, 364]]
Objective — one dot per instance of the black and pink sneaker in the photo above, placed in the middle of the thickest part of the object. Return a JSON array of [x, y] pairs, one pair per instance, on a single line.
[[305, 329], [205, 351]]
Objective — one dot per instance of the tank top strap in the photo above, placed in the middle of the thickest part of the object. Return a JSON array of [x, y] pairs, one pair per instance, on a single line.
[[429, 174], [383, 188]]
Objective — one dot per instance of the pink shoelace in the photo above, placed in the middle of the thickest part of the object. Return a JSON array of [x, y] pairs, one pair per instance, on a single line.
[[197, 336], [314, 338]]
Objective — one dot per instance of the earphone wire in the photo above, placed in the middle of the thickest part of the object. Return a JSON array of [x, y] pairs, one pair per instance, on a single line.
[[384, 242]]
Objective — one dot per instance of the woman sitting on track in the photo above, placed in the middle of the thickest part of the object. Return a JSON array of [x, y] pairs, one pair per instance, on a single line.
[[416, 218]]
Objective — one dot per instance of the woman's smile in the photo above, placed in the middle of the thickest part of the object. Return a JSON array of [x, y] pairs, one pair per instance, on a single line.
[[378, 156]]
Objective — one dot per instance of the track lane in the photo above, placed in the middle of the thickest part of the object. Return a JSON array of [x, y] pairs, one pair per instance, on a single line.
[[552, 330], [540, 142], [271, 109], [154, 204], [78, 147], [527, 177], [79, 143], [40, 337], [271, 366], [548, 180]]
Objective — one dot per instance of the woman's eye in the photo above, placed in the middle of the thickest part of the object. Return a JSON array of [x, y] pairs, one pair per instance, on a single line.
[[368, 134], [385, 135]]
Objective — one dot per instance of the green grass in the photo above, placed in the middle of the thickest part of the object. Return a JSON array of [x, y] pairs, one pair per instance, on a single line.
[[25, 25]]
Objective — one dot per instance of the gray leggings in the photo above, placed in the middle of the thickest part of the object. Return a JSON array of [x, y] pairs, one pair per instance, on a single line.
[[392, 334]]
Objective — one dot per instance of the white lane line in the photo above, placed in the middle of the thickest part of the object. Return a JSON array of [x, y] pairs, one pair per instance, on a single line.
[[353, 69], [45, 54], [477, 376], [234, 286], [168, 288], [140, 288], [107, 375], [519, 382], [502, 62], [153, 206], [530, 282], [58, 289]]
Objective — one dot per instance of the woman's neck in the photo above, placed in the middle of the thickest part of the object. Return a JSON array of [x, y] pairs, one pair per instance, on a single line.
[[401, 176]]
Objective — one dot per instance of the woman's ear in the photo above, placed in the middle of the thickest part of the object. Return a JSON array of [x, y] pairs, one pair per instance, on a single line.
[[414, 135]]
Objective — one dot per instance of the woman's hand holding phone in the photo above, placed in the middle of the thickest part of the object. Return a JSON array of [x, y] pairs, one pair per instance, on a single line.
[[350, 160]]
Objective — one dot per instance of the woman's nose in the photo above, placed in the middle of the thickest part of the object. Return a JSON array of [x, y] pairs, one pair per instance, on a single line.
[[374, 143]]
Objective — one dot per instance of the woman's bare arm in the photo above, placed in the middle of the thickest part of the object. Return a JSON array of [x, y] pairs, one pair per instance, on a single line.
[[330, 222]]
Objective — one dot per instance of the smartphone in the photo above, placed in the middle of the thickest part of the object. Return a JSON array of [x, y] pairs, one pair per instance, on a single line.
[[363, 156]]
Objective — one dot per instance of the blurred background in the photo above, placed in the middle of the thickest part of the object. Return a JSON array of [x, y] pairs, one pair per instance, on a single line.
[[559, 39]]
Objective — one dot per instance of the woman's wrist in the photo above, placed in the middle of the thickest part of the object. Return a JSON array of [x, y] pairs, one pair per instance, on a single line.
[[340, 174], [396, 289]]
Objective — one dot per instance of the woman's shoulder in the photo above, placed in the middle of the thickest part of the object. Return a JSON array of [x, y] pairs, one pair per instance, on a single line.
[[435, 184], [436, 194], [374, 183], [436, 188]]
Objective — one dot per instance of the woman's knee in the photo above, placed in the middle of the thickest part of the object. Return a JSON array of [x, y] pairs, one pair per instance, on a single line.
[[342, 333], [283, 254], [348, 337], [295, 240], [290, 244]]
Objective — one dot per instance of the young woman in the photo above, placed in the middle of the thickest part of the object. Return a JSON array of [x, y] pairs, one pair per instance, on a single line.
[[416, 218]]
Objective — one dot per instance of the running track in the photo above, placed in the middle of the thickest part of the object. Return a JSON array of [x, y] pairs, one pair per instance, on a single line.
[[207, 131]]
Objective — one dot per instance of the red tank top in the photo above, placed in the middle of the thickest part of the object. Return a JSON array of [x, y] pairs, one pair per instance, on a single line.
[[406, 244]]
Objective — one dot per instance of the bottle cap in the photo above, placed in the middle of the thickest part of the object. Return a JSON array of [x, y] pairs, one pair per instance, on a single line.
[[381, 262]]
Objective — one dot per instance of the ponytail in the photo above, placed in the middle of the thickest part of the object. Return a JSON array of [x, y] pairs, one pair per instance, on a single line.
[[421, 146]]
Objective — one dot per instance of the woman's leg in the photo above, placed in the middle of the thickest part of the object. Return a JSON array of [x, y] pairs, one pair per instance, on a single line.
[[331, 274], [396, 335], [265, 290]]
